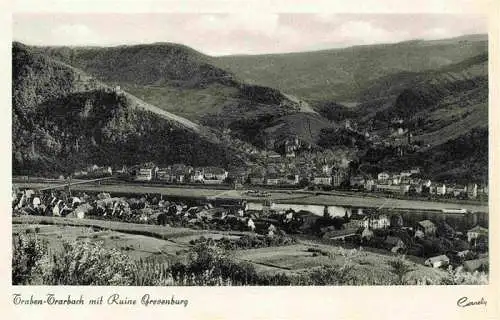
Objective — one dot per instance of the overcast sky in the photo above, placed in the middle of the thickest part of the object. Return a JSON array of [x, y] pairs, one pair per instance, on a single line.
[[237, 33]]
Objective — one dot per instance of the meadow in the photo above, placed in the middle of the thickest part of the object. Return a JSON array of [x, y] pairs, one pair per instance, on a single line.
[[173, 245]]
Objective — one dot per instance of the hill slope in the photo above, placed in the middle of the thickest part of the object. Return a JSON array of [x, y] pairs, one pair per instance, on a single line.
[[182, 81], [446, 111], [340, 74], [64, 119]]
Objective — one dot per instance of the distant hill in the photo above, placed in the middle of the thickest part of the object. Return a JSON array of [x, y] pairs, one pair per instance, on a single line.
[[340, 74], [63, 120]]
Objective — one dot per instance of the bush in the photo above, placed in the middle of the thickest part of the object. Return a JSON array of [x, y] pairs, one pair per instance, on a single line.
[[28, 260], [88, 263], [84, 263], [400, 268], [459, 276]]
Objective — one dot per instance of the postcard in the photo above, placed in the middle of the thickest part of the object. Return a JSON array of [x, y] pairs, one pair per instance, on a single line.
[[223, 160]]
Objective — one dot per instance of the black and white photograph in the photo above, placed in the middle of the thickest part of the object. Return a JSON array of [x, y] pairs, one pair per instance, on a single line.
[[250, 149]]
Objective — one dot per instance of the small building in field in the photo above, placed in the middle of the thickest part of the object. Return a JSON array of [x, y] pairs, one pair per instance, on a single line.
[[438, 261], [273, 155], [366, 234]]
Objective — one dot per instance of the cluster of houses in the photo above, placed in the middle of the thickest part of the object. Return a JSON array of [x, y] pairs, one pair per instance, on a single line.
[[94, 171], [180, 173], [423, 229], [411, 182], [323, 174]]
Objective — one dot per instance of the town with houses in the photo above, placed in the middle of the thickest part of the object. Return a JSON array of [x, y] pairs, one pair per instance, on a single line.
[[408, 182]]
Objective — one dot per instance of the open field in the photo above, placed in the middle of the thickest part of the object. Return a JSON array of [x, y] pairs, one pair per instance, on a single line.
[[154, 231], [136, 246], [297, 197], [296, 258], [171, 244]]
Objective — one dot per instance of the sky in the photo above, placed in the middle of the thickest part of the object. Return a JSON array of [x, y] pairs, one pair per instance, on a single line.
[[240, 33]]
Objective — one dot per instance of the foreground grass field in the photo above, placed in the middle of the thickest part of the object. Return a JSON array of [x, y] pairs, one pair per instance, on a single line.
[[136, 246], [172, 244], [305, 256]]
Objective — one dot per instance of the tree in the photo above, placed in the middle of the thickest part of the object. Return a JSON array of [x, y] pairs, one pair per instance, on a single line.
[[445, 230], [229, 180]]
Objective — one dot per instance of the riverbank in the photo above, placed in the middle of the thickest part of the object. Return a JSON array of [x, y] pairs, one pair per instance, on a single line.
[[275, 196]]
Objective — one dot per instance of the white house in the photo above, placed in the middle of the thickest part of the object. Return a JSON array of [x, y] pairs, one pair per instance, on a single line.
[[322, 180], [374, 222], [214, 173], [145, 174], [438, 261]]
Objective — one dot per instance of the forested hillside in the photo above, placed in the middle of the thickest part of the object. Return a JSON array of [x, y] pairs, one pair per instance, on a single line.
[[183, 81], [57, 128]]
